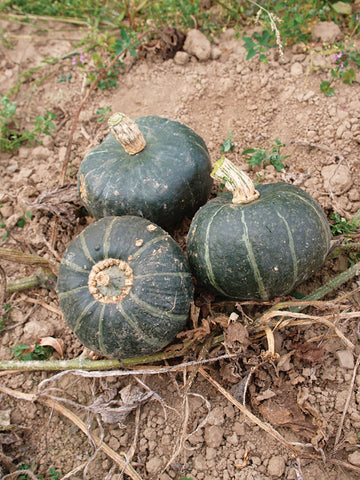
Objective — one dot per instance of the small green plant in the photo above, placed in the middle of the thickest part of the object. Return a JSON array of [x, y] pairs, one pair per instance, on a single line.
[[103, 113], [228, 145], [20, 223], [64, 79], [11, 136], [340, 225], [261, 156], [53, 474], [327, 89], [127, 42], [37, 352], [22, 220], [345, 61], [259, 44]]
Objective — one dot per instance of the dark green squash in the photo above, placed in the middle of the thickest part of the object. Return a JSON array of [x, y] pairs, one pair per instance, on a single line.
[[256, 244], [125, 287], [154, 167]]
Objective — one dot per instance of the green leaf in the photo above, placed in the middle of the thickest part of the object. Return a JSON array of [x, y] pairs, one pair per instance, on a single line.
[[327, 89], [349, 76], [263, 58], [342, 8], [251, 53]]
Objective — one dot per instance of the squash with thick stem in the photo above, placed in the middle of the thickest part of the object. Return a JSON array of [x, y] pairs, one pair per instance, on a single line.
[[152, 167], [125, 287], [256, 244]]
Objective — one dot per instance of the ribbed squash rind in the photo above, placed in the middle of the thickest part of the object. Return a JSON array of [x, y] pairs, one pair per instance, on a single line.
[[259, 250], [157, 307], [165, 182]]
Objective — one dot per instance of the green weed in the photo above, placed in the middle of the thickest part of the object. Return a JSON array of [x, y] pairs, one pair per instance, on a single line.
[[259, 44], [64, 79], [261, 156], [340, 225], [20, 223], [327, 89], [228, 145], [345, 62], [38, 352], [53, 474], [103, 114], [11, 135]]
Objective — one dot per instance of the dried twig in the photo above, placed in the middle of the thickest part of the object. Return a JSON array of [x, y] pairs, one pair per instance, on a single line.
[[2, 286], [138, 372], [282, 320], [17, 473]]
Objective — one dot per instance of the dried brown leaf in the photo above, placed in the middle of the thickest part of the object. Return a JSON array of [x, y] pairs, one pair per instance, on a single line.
[[56, 343], [115, 411], [236, 336], [309, 352], [63, 202], [283, 410]]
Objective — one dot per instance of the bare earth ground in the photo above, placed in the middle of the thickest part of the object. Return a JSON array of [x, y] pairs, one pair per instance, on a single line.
[[304, 394]]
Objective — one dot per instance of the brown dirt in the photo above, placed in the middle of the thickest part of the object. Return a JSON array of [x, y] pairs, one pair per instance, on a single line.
[[303, 394]]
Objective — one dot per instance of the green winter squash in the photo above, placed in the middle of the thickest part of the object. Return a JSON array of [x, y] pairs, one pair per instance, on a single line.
[[256, 244], [125, 287], [152, 167]]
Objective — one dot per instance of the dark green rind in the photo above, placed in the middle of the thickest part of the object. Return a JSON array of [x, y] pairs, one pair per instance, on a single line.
[[168, 180], [259, 250], [156, 309]]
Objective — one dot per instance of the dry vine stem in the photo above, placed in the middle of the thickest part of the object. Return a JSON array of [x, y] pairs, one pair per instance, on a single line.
[[282, 320], [338, 434], [123, 464]]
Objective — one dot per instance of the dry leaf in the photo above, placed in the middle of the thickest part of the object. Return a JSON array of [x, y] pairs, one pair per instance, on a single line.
[[56, 343], [62, 202], [309, 352], [283, 410], [115, 411], [236, 336]]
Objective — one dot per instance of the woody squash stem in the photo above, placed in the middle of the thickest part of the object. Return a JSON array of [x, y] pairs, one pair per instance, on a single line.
[[256, 244], [125, 287], [152, 167]]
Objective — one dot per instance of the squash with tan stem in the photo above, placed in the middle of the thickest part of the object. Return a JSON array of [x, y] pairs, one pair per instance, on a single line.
[[256, 244], [152, 167]]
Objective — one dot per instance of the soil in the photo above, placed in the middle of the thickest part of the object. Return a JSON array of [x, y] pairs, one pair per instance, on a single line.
[[308, 391]]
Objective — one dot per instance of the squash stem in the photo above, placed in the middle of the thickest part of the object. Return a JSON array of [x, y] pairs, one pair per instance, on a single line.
[[127, 133], [235, 180]]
